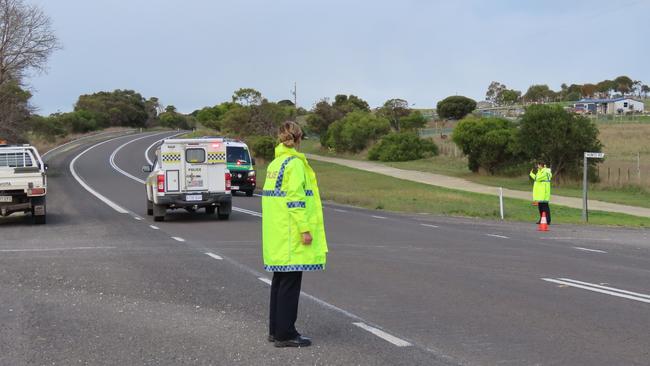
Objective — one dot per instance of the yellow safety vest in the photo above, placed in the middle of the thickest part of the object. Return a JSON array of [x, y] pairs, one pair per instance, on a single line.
[[542, 185]]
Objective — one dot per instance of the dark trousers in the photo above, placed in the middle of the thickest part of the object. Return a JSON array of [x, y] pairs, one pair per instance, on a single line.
[[544, 207], [283, 309]]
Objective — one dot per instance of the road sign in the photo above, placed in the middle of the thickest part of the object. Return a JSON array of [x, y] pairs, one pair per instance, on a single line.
[[594, 155]]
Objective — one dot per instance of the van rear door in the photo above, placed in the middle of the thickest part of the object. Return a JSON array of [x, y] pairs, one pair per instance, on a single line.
[[196, 169]]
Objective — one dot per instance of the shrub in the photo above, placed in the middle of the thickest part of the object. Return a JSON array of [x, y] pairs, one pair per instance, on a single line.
[[263, 147], [403, 146], [48, 128], [489, 143], [355, 131]]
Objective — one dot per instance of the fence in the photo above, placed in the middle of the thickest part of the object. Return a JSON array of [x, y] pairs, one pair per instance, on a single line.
[[620, 170]]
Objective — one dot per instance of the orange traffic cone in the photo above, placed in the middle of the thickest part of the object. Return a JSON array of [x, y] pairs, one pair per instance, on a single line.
[[543, 224]]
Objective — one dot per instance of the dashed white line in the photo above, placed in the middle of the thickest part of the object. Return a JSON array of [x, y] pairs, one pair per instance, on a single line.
[[590, 250], [154, 227], [429, 225], [249, 212], [379, 217], [339, 210], [498, 236], [265, 280], [214, 256], [137, 218], [52, 249], [178, 239], [601, 289], [383, 335]]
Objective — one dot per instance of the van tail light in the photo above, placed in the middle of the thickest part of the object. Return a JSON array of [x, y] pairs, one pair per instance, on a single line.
[[161, 183], [228, 181], [35, 192]]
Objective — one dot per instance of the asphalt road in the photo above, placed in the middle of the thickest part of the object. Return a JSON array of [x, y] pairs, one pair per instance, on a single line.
[[103, 284]]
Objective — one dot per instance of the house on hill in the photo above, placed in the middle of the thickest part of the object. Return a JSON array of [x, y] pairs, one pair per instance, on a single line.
[[622, 105]]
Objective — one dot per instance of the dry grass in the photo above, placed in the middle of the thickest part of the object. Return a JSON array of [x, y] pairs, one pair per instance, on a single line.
[[43, 145]]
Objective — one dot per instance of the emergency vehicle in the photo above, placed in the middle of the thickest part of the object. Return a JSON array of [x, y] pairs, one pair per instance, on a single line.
[[189, 174], [241, 166], [23, 182]]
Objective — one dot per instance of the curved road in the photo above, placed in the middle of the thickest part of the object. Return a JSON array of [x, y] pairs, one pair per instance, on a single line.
[[101, 283]]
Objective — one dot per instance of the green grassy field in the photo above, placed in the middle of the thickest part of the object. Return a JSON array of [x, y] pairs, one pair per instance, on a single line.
[[376, 191]]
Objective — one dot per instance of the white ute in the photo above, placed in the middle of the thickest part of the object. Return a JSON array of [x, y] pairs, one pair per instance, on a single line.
[[23, 182], [189, 174]]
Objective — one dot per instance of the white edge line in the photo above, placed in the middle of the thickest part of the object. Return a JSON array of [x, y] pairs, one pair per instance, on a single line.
[[249, 212], [429, 225], [146, 152], [99, 196], [590, 250], [597, 290], [81, 139], [498, 236], [383, 335], [379, 217], [178, 239], [52, 249], [154, 227], [214, 256], [339, 210], [265, 280], [606, 288]]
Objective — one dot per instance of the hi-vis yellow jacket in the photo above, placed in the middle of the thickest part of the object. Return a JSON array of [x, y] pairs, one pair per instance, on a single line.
[[291, 206], [542, 185]]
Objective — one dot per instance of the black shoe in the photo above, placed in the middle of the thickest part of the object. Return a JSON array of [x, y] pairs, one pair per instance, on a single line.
[[271, 338], [299, 341]]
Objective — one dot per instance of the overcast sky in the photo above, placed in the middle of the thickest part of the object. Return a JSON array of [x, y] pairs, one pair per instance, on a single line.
[[194, 53]]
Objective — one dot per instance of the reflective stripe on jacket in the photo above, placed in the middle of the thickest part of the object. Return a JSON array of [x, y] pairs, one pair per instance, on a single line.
[[542, 185], [291, 206]]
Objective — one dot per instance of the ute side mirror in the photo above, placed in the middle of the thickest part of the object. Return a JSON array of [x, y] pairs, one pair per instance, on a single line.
[[252, 161], [147, 168]]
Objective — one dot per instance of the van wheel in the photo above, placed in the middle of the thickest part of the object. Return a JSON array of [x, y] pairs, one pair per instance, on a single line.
[[249, 193], [149, 208], [223, 216], [159, 212], [210, 210]]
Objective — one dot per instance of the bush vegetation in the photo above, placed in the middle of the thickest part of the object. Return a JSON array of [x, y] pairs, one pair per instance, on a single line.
[[402, 146], [356, 130]]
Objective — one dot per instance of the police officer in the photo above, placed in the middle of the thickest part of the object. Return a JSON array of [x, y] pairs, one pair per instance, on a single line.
[[542, 190], [293, 233]]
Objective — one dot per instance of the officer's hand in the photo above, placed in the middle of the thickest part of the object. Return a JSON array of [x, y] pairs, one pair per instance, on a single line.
[[306, 238]]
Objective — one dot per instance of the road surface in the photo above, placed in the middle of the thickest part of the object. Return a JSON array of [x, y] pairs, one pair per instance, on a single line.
[[102, 284]]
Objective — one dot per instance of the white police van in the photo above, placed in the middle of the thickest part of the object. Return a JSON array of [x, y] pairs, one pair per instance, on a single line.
[[189, 174]]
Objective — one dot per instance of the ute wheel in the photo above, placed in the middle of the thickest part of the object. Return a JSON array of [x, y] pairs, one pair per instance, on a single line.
[[223, 216], [149, 208], [39, 219], [159, 212], [210, 210], [249, 193]]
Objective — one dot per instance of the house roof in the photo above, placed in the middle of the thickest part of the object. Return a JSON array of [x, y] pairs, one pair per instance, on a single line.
[[608, 100]]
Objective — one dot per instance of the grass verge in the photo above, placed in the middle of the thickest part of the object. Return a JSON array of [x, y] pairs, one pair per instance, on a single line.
[[376, 191]]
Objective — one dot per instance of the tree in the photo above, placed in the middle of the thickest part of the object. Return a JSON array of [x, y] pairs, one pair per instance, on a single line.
[[557, 137], [488, 142], [494, 90], [539, 93], [394, 110], [605, 87], [256, 120], [247, 97], [623, 84], [349, 103], [402, 146], [322, 116], [15, 111], [588, 90], [455, 107], [172, 119], [508, 97], [286, 103], [26, 39], [153, 108], [645, 89], [413, 121], [116, 108]]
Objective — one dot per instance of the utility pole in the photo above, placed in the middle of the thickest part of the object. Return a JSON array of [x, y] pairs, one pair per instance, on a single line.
[[295, 94]]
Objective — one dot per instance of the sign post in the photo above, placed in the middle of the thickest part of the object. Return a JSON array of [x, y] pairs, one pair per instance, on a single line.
[[585, 208]]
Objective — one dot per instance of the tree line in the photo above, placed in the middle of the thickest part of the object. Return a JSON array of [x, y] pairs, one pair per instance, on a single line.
[[499, 94]]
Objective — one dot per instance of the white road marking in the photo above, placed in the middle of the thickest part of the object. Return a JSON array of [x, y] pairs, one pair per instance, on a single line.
[[379, 217], [137, 218], [383, 335], [78, 140], [590, 250], [154, 227], [339, 210], [99, 196], [429, 225], [601, 289], [265, 280], [214, 256], [572, 238], [111, 160], [249, 212], [498, 236], [52, 249], [178, 239], [146, 152]]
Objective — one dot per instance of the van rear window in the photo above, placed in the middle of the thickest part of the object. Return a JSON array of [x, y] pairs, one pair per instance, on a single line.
[[195, 156], [15, 160]]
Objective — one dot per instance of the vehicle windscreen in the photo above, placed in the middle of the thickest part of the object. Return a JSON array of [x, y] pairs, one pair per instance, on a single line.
[[237, 155], [15, 160]]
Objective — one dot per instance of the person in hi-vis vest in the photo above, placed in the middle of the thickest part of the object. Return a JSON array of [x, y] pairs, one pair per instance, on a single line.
[[293, 233], [542, 190]]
